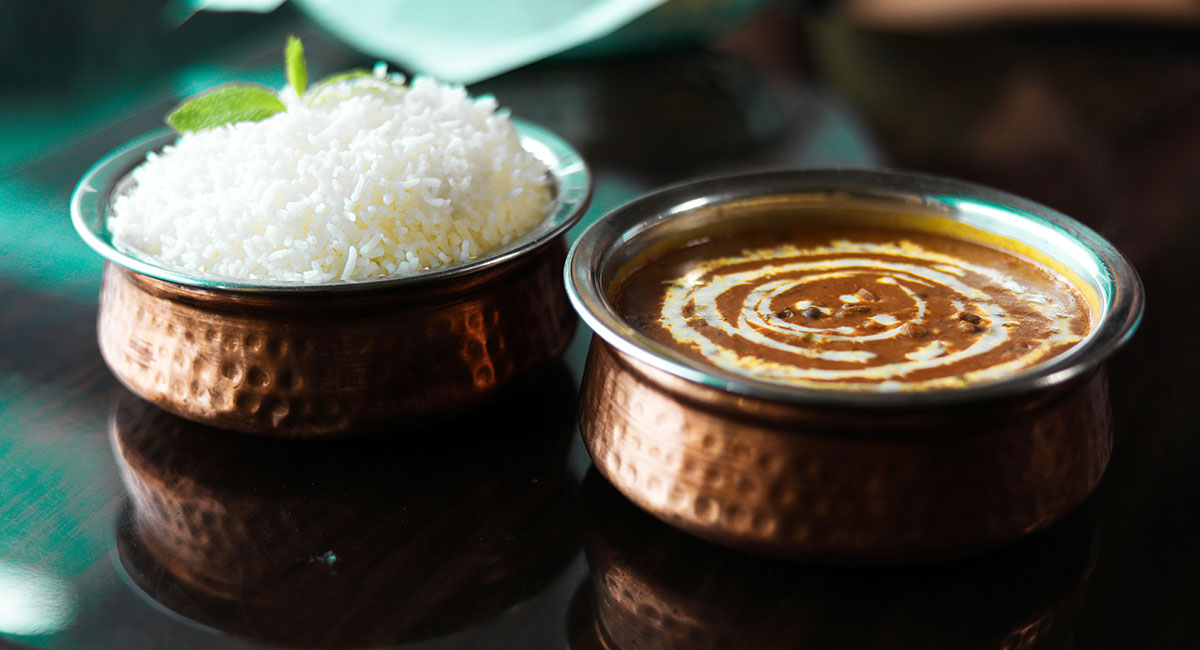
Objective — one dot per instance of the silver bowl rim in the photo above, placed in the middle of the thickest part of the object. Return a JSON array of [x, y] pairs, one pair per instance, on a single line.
[[91, 200], [1123, 298]]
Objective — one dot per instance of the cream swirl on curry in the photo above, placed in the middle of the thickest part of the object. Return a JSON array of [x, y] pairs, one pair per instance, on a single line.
[[855, 308]]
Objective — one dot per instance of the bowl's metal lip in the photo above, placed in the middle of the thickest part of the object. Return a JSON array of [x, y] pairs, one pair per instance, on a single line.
[[89, 206], [1121, 315]]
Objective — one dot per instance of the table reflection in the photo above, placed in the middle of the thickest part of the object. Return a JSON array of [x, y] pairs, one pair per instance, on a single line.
[[394, 537], [654, 587], [652, 113]]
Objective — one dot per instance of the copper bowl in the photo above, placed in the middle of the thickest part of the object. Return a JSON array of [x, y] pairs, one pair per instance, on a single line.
[[840, 475], [296, 360]]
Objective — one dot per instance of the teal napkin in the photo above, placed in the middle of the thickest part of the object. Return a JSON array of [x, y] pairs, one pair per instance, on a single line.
[[460, 41], [466, 41]]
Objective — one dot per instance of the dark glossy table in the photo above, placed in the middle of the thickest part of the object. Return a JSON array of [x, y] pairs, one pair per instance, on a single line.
[[490, 531]]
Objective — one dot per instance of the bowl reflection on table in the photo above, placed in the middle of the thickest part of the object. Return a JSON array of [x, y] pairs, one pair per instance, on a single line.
[[652, 586], [319, 360], [349, 544]]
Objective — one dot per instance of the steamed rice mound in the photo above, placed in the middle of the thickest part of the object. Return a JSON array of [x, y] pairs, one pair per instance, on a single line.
[[381, 180]]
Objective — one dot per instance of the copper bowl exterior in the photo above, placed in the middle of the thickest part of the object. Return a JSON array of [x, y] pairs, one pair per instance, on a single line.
[[309, 366], [306, 361], [844, 476], [828, 484]]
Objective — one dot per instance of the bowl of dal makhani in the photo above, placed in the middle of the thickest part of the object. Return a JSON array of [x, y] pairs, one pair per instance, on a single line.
[[332, 259], [849, 365]]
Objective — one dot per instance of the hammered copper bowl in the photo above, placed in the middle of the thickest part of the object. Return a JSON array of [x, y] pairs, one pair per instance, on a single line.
[[296, 360], [841, 475]]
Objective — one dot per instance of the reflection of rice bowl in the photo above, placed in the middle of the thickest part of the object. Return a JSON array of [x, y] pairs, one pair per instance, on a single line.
[[355, 544], [303, 359], [741, 453]]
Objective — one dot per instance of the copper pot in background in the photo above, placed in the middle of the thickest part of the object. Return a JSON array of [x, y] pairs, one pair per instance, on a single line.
[[350, 543], [294, 360], [840, 475]]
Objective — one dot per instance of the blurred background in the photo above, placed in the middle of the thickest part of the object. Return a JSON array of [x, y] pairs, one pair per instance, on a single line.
[[661, 90], [1089, 106]]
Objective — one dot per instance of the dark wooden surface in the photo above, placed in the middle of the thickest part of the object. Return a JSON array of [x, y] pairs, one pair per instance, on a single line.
[[495, 535]]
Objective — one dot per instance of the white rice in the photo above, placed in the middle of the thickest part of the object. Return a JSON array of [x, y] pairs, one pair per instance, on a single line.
[[390, 181]]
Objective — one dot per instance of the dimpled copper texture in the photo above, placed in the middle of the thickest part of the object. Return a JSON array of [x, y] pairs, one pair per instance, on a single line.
[[313, 365], [654, 587], [846, 485]]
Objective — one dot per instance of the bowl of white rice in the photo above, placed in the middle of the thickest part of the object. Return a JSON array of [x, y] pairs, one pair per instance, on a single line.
[[366, 262]]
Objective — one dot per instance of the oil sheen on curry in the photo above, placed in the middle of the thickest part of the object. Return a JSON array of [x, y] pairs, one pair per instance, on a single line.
[[848, 308]]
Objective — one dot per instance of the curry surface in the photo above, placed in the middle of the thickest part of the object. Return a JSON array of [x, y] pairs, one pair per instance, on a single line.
[[857, 308]]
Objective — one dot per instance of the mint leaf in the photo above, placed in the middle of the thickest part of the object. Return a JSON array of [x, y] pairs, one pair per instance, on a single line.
[[296, 67], [225, 105]]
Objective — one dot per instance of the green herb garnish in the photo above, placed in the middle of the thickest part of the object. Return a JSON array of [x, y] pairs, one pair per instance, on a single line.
[[252, 103], [225, 105], [296, 67]]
